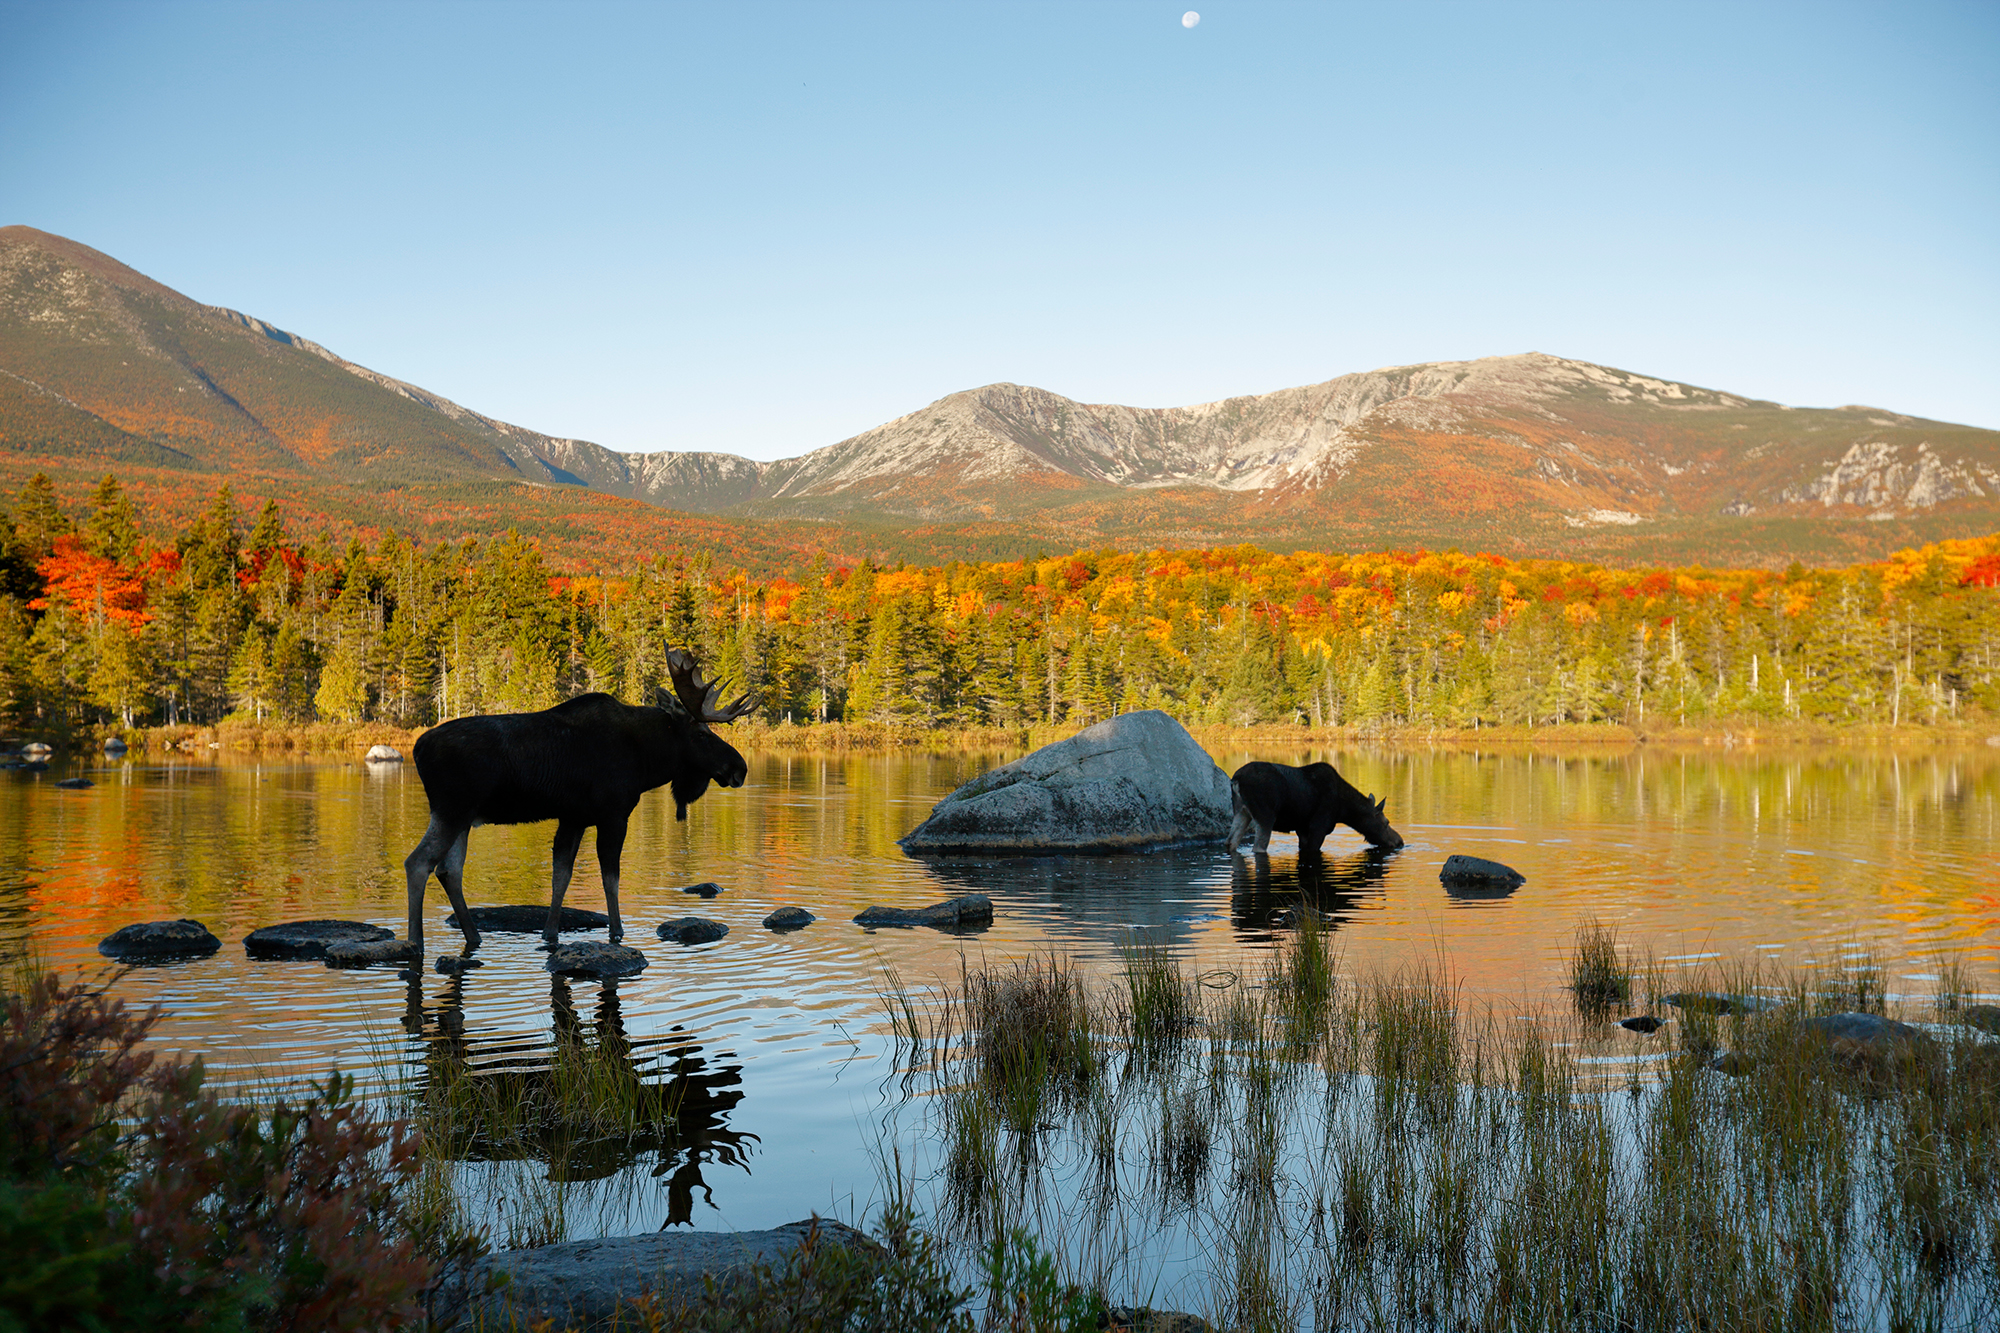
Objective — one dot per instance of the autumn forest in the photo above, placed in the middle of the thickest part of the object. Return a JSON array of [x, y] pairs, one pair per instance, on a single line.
[[105, 624]]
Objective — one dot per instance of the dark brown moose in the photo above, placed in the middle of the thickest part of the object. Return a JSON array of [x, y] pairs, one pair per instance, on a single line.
[[1307, 801], [582, 763]]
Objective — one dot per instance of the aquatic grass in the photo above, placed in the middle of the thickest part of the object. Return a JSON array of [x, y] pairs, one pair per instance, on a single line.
[[1162, 1003], [1600, 974]]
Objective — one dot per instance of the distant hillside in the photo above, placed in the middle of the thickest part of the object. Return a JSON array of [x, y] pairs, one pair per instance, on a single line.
[[102, 368]]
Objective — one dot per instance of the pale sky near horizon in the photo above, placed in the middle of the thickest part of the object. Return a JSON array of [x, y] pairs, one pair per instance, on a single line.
[[761, 228]]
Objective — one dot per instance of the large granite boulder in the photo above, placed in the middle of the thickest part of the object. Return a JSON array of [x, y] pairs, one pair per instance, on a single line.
[[1133, 784], [581, 1283]]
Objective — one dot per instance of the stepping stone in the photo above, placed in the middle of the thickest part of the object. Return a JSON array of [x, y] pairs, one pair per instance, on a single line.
[[703, 890], [789, 918], [451, 964], [692, 930], [527, 919], [382, 754], [972, 909], [1458, 869], [156, 941], [360, 953], [595, 958], [310, 939]]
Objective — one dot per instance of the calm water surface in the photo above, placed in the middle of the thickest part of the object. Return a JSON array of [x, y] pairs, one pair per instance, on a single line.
[[1797, 856]]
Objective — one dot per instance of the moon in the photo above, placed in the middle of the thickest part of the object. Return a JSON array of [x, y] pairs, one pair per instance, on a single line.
[[1189, 19]]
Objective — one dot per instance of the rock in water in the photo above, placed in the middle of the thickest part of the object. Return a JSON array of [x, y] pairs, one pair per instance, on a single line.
[[705, 889], [1985, 1017], [581, 1283], [382, 754], [1643, 1023], [156, 941], [595, 958], [973, 909], [76, 784], [114, 745], [692, 930], [1867, 1041], [527, 919], [451, 964], [360, 953], [789, 918], [310, 939], [1132, 784], [1461, 869], [1713, 1002]]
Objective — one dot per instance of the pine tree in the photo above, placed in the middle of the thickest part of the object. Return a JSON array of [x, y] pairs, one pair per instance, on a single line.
[[113, 533]]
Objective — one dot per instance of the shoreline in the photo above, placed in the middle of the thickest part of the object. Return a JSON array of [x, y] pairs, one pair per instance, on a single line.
[[353, 740]]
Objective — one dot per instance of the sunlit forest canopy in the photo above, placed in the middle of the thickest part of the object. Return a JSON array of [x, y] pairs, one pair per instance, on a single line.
[[106, 623]]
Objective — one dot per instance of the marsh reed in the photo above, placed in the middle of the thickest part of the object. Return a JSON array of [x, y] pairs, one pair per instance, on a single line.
[[1314, 1149]]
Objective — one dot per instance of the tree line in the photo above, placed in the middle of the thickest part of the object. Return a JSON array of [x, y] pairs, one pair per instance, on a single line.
[[103, 624]]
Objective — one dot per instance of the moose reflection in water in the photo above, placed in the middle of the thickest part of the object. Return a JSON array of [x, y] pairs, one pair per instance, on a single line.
[[1262, 896], [587, 1104]]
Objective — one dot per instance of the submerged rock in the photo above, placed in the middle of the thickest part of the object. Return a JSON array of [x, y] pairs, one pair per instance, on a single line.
[[972, 909], [382, 754], [361, 953], [527, 919], [156, 941], [789, 918], [1714, 1002], [76, 784], [580, 1283], [310, 939], [451, 964], [1479, 871], [692, 930], [1866, 1040], [1643, 1023], [595, 958], [1132, 784], [705, 889]]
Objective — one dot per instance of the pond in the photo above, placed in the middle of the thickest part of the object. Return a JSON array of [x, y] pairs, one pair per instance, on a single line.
[[1796, 856]]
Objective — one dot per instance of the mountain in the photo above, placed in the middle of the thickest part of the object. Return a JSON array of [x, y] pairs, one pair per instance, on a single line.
[[101, 368]]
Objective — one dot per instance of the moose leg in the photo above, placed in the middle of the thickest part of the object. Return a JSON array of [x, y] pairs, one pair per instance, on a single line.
[[569, 836], [611, 842], [1238, 827], [451, 874], [1263, 844], [429, 854]]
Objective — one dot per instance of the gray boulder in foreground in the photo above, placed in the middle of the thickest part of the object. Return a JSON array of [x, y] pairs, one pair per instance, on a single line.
[[580, 1283], [1460, 869], [1132, 784], [155, 941], [972, 909]]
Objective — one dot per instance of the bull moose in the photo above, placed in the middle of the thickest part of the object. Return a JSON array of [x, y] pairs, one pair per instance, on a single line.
[[1307, 801], [582, 763]]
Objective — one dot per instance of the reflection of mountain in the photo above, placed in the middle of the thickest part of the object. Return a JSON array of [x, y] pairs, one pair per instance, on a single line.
[[589, 1103], [1260, 890]]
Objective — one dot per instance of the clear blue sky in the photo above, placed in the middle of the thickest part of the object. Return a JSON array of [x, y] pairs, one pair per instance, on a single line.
[[762, 228]]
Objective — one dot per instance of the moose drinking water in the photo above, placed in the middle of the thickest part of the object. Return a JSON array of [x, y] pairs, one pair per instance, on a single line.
[[582, 763], [1307, 801]]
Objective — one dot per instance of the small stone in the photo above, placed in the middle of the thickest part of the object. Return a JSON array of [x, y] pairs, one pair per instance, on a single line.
[[76, 784], [1643, 1023], [703, 890], [1478, 868], [38, 749], [151, 941], [595, 958], [789, 918], [114, 745], [451, 964], [527, 919], [360, 953], [692, 930], [1733, 1063], [972, 909], [1985, 1017], [382, 754], [310, 939]]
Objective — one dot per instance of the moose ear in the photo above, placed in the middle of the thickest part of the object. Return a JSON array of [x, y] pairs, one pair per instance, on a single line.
[[1379, 804]]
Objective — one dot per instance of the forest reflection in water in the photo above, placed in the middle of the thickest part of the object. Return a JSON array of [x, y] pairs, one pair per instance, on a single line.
[[1788, 855]]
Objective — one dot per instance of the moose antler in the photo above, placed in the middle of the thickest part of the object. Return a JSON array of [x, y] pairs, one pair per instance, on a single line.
[[698, 696]]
